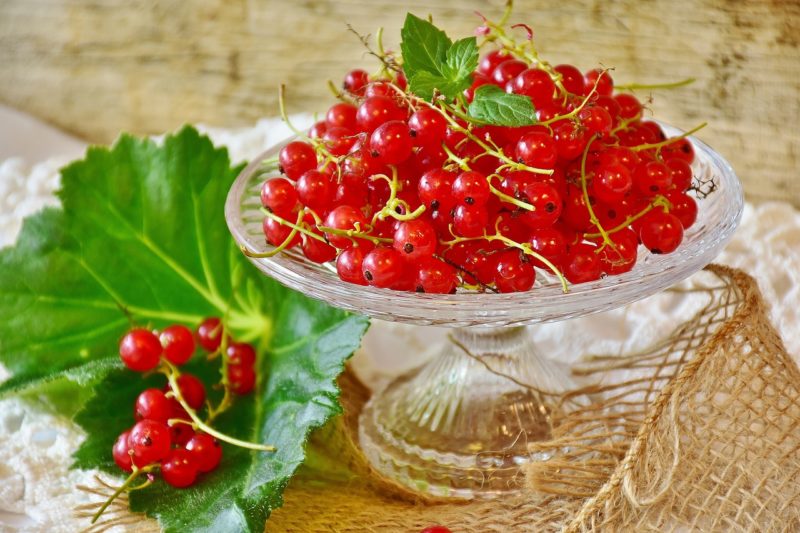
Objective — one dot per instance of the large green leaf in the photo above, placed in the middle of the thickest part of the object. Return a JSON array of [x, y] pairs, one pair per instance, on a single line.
[[492, 105], [424, 46], [142, 238]]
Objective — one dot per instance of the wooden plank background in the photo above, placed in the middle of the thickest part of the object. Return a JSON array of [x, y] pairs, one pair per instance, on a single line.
[[96, 67]]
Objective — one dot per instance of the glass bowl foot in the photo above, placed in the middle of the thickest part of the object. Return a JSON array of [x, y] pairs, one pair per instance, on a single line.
[[460, 425]]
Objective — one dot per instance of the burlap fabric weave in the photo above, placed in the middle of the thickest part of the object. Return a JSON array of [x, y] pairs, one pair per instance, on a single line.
[[700, 432]]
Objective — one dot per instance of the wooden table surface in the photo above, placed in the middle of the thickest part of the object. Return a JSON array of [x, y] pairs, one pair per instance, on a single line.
[[97, 67]]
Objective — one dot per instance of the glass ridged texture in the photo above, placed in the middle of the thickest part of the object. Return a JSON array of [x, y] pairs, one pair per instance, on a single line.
[[459, 426]]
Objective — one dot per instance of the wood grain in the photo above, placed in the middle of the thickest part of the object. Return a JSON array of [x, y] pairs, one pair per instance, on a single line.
[[96, 67]]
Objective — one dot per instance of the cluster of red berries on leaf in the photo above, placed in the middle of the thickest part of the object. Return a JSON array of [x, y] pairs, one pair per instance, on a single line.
[[166, 433], [415, 195]]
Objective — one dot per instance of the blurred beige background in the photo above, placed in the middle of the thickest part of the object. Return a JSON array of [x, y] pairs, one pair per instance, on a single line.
[[96, 67]]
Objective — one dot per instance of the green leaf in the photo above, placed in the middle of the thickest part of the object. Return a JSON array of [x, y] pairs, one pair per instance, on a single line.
[[142, 237], [424, 46], [494, 106], [462, 60], [424, 83]]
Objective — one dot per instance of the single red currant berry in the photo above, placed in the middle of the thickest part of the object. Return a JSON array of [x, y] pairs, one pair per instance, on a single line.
[[277, 233], [192, 390], [619, 155], [660, 232], [348, 265], [684, 207], [415, 239], [378, 88], [391, 143], [316, 250], [582, 264], [678, 149], [296, 158], [181, 433], [596, 120], [611, 183], [470, 220], [152, 404], [140, 350], [345, 218], [318, 129], [205, 450], [507, 70], [179, 468], [435, 529], [629, 105], [241, 353], [651, 178], [681, 173], [338, 140], [571, 78], [513, 272], [536, 149], [490, 61], [279, 196], [570, 140], [605, 85], [536, 84], [316, 190], [434, 189], [178, 343], [427, 127], [150, 442], [435, 277], [355, 82], [546, 202], [377, 110], [622, 257], [471, 188], [383, 267], [341, 115], [120, 452], [550, 243], [241, 378], [209, 334]]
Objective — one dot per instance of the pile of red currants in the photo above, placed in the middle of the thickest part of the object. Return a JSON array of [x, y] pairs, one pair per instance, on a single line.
[[165, 434], [414, 195]]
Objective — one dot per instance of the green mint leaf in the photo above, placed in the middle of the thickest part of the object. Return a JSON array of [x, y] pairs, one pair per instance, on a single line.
[[142, 236], [424, 46], [494, 106], [424, 83], [462, 60]]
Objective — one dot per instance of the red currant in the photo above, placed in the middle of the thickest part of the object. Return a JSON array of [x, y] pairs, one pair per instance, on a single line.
[[376, 110], [490, 61], [140, 350], [582, 264], [684, 207], [192, 390], [571, 78], [276, 233], [316, 250], [178, 343], [206, 451], [345, 218], [383, 267], [179, 468], [348, 265], [427, 127], [507, 70], [661, 232], [471, 188], [150, 442], [546, 202], [279, 196], [435, 529], [296, 158], [241, 353], [651, 178], [390, 143], [536, 84], [611, 183], [435, 276], [355, 82], [605, 85], [470, 220], [241, 378], [681, 173], [316, 190], [342, 115], [415, 239], [434, 189], [622, 257], [629, 105], [513, 272], [537, 149], [120, 452], [550, 243], [209, 334], [153, 404]]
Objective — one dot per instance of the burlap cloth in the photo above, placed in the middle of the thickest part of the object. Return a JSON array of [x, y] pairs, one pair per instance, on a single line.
[[701, 432]]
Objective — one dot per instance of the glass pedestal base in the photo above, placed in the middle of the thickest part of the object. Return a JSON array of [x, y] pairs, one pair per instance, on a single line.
[[460, 425]]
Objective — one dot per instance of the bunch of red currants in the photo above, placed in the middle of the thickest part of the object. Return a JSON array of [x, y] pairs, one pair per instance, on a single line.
[[165, 434], [412, 195]]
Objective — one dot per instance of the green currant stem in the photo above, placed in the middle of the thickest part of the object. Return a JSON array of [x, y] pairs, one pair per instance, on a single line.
[[301, 229], [172, 376], [671, 140], [389, 210], [125, 487], [585, 188], [284, 115], [353, 234], [507, 198], [462, 163], [227, 399], [645, 86], [658, 201], [578, 109], [278, 249], [336, 92], [623, 124]]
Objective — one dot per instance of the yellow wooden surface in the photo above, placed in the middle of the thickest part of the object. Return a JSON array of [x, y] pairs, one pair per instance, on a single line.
[[96, 67]]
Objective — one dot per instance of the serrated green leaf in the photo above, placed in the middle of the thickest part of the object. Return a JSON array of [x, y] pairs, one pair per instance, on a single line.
[[494, 106], [424, 83], [424, 46], [142, 237], [461, 62]]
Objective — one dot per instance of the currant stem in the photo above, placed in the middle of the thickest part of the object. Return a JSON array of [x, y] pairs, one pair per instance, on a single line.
[[226, 400], [585, 189], [462, 163], [507, 198], [284, 115], [298, 227], [125, 487], [278, 249], [171, 372], [670, 140], [580, 107], [647, 86]]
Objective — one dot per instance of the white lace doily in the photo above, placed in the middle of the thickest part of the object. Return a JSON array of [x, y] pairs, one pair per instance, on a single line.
[[37, 489]]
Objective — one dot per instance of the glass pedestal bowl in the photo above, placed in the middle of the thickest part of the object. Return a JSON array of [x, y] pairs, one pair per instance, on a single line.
[[460, 425]]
